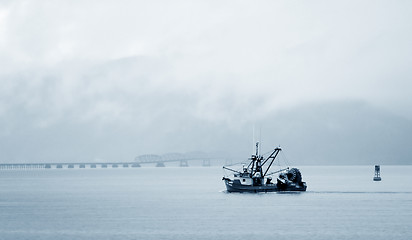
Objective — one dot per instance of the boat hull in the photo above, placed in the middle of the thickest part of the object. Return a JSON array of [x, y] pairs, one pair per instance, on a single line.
[[233, 186]]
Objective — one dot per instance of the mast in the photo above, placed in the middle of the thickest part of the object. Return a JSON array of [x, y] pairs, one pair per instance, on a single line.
[[257, 158]]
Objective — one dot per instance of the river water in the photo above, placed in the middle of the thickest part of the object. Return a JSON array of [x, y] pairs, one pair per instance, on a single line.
[[341, 202]]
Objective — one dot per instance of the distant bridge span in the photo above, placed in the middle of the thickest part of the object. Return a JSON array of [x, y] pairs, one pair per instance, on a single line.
[[159, 160], [174, 157]]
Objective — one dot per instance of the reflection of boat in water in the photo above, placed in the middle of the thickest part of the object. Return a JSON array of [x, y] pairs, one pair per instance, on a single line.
[[256, 176]]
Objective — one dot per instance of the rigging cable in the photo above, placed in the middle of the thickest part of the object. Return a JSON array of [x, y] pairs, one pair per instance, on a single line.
[[286, 160]]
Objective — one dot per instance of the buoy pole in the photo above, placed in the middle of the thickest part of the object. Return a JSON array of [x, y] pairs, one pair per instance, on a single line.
[[377, 176]]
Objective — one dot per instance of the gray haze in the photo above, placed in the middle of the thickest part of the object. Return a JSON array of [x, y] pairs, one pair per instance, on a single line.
[[329, 81]]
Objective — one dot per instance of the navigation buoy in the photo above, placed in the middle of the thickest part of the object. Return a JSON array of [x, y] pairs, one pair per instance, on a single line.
[[377, 173]]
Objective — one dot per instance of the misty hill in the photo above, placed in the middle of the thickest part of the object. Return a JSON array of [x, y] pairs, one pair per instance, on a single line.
[[342, 133], [312, 134]]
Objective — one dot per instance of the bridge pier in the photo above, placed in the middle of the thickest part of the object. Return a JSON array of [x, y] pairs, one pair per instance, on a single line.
[[206, 163], [184, 163], [160, 164]]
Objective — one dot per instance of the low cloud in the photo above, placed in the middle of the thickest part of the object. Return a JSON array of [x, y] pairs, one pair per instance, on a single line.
[[136, 78]]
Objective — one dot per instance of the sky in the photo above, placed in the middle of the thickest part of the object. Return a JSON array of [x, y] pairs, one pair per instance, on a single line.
[[111, 80]]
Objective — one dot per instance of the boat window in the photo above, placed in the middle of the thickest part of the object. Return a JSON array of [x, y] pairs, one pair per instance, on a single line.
[[244, 179]]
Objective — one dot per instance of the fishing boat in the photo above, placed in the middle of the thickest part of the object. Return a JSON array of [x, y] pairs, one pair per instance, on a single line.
[[255, 177]]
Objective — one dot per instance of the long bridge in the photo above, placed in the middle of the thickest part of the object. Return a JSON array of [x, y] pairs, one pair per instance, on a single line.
[[158, 160]]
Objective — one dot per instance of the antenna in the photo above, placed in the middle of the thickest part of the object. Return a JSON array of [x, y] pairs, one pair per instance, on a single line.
[[253, 128], [260, 136], [257, 149]]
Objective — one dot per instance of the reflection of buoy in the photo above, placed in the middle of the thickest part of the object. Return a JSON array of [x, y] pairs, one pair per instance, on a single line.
[[377, 173]]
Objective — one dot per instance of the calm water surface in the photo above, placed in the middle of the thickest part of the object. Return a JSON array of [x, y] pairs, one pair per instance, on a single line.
[[342, 202]]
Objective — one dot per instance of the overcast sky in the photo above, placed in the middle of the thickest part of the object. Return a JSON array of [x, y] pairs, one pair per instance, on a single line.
[[115, 79]]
